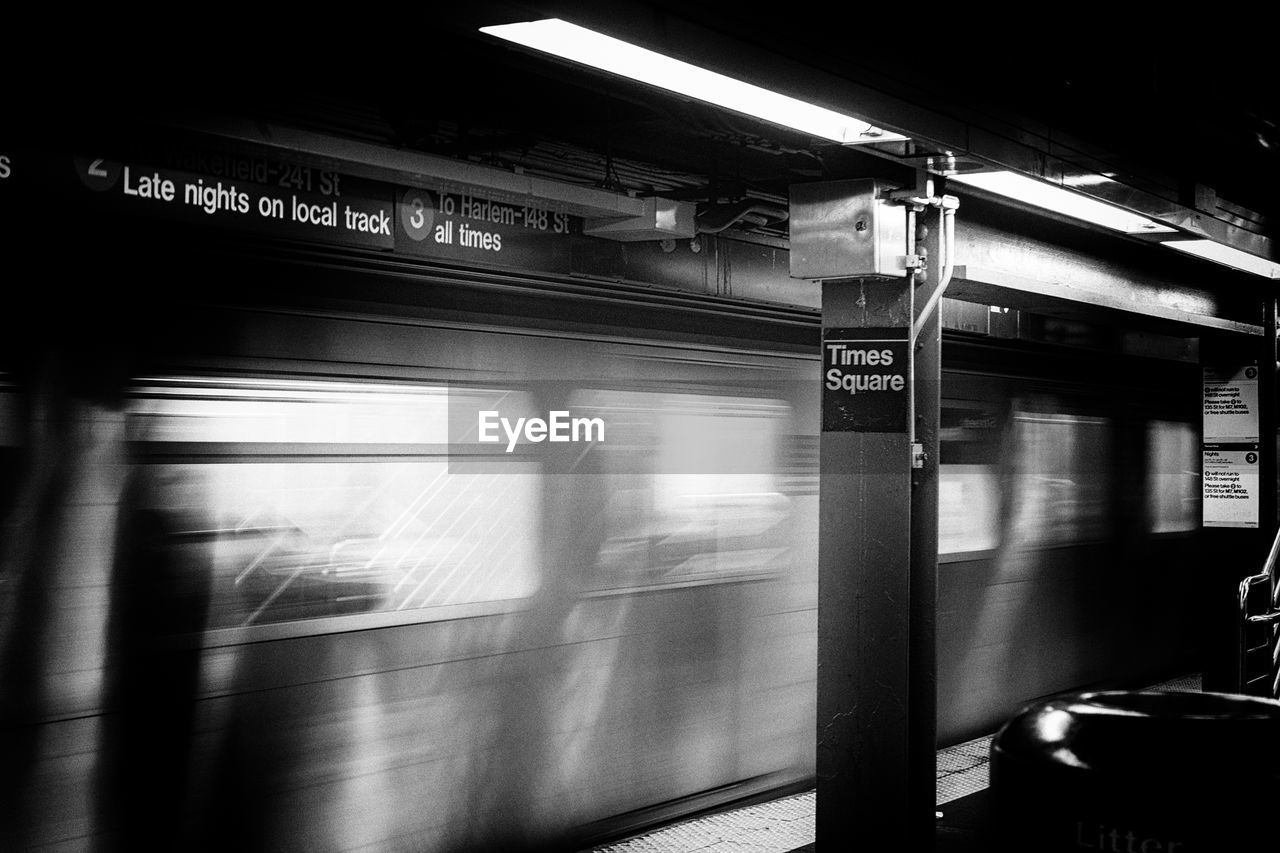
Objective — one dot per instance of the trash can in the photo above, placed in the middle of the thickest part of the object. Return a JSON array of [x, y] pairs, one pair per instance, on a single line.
[[1138, 772]]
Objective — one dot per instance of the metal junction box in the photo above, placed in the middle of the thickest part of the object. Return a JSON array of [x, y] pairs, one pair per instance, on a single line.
[[842, 229]]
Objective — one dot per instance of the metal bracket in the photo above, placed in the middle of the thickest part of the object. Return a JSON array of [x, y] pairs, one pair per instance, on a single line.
[[920, 196], [918, 456]]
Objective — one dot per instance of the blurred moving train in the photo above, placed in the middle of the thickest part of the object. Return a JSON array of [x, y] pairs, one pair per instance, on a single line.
[[385, 642]]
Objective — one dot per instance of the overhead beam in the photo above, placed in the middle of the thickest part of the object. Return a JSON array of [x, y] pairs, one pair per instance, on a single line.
[[1010, 290], [398, 165]]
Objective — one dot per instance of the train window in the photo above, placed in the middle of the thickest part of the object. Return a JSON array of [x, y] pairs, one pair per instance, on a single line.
[[11, 444], [968, 478], [686, 490], [10, 429], [968, 509], [1173, 477], [251, 411], [324, 499], [1062, 465]]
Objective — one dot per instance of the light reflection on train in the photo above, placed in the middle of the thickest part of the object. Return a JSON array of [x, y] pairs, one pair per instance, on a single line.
[[354, 637]]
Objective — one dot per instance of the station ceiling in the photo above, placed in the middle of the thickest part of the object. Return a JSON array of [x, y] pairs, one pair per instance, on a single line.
[[1177, 105]]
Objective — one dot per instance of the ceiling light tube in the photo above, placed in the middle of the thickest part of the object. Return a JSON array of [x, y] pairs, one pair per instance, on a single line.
[[1058, 200], [578, 44], [1227, 256]]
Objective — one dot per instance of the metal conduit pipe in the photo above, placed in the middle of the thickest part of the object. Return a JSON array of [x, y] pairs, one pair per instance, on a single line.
[[717, 218], [946, 248], [947, 222]]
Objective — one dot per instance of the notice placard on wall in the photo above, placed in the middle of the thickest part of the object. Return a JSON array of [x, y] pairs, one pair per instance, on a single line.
[[1230, 482], [1231, 404], [1230, 449]]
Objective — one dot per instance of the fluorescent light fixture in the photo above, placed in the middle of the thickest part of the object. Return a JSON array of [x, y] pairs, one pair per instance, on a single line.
[[1226, 256], [570, 41], [1035, 192]]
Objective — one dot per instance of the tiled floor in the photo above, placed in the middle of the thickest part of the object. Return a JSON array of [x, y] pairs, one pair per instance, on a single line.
[[962, 769], [786, 825], [778, 825]]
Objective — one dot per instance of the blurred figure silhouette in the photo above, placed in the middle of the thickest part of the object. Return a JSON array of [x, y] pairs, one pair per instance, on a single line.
[[158, 608], [33, 514]]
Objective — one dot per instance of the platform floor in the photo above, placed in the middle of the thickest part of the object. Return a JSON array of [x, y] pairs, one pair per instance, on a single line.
[[786, 825]]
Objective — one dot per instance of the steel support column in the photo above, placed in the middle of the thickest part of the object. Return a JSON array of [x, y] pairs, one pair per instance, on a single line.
[[865, 627]]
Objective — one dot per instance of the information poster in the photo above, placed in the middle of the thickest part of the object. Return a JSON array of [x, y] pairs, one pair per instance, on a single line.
[[1230, 448], [1230, 477], [1231, 404]]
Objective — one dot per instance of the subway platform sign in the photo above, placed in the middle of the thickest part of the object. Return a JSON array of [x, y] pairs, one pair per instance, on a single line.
[[865, 379]]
